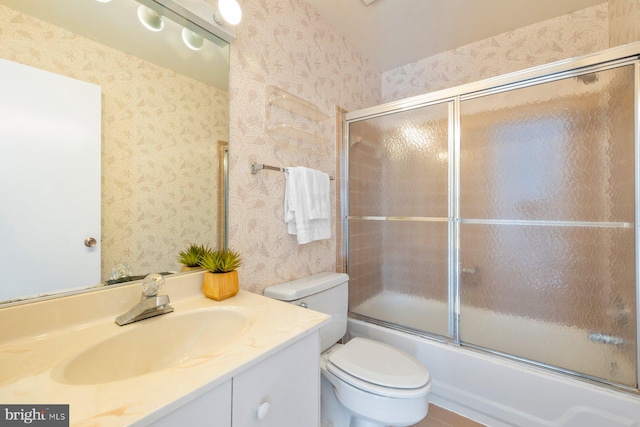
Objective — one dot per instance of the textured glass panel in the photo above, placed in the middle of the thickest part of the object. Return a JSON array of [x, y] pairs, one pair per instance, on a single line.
[[398, 164], [564, 296], [556, 151], [542, 169], [398, 272], [365, 261]]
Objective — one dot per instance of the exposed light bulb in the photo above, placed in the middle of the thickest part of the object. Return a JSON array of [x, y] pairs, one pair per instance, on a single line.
[[192, 40], [228, 11], [151, 19]]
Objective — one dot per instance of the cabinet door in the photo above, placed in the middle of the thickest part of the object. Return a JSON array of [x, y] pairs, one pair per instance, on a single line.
[[282, 391], [212, 409]]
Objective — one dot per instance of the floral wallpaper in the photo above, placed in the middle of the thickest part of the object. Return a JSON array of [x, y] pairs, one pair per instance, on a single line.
[[566, 36], [159, 138], [286, 44], [624, 16]]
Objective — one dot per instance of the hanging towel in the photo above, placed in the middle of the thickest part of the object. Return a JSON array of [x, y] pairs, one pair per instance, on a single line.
[[307, 204]]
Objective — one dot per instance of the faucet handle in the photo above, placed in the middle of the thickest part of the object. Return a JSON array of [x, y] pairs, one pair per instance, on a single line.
[[151, 284]]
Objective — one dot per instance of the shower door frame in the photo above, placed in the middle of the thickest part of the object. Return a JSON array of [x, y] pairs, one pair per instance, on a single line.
[[607, 59]]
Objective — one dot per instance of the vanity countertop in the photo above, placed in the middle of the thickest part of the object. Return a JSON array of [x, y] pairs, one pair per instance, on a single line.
[[28, 356]]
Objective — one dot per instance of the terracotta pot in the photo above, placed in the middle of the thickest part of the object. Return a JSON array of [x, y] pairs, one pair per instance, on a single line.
[[219, 286]]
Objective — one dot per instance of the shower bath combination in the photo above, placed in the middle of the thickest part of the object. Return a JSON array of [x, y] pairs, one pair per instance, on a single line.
[[501, 215]]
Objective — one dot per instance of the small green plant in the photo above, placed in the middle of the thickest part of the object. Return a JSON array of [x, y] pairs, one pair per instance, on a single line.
[[191, 256], [220, 260]]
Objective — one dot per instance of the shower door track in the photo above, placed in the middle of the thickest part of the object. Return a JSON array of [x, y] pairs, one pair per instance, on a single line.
[[607, 59]]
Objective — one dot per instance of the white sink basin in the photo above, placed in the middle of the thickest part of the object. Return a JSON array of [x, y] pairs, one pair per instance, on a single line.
[[152, 345]]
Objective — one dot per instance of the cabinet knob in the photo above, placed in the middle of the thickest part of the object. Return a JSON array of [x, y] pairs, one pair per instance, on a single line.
[[263, 410], [90, 242]]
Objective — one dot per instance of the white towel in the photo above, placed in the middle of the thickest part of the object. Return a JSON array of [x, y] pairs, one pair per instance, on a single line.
[[307, 204]]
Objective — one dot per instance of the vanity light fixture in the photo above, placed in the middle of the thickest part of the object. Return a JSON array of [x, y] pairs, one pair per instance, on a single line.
[[151, 19], [210, 20], [228, 11], [103, 1], [192, 40]]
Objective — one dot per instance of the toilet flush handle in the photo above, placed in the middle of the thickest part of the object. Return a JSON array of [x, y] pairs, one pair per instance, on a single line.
[[263, 410]]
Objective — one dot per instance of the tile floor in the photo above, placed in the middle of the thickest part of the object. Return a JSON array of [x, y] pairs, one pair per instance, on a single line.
[[438, 417]]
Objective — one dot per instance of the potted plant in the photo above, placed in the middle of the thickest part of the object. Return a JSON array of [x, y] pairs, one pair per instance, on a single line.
[[190, 257], [221, 278]]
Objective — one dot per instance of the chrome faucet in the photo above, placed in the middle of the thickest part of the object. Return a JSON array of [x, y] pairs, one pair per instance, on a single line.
[[151, 304]]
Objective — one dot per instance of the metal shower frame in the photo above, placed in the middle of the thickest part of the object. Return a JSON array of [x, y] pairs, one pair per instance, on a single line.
[[610, 58]]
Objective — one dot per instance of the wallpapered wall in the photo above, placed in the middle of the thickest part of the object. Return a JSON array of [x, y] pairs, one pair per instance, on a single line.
[[563, 37], [285, 43], [624, 16], [608, 24], [159, 134]]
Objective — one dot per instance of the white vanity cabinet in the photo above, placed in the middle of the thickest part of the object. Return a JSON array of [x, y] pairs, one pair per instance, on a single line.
[[281, 391], [211, 409]]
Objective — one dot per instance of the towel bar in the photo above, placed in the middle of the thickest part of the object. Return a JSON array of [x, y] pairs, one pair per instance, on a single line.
[[255, 167]]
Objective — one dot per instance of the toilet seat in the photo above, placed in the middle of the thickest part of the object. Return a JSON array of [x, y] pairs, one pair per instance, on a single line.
[[379, 369]]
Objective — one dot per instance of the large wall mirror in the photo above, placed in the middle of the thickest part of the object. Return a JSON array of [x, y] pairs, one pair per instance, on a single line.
[[162, 123]]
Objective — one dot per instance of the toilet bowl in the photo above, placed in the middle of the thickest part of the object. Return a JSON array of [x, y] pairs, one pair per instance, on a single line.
[[378, 385], [365, 383]]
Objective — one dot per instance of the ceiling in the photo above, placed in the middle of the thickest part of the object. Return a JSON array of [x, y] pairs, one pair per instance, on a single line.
[[392, 33]]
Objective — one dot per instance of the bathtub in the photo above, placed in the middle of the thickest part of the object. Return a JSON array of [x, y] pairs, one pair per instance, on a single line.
[[496, 391]]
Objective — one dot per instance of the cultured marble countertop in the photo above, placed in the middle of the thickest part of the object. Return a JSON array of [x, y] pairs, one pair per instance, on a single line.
[[30, 348]]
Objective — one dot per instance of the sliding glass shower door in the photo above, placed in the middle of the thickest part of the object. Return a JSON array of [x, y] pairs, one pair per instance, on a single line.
[[399, 218], [547, 213], [504, 219]]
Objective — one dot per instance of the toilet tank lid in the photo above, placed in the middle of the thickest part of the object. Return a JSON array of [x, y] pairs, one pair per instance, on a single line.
[[303, 287]]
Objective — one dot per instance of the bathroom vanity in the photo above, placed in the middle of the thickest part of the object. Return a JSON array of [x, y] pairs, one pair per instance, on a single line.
[[274, 393], [248, 360]]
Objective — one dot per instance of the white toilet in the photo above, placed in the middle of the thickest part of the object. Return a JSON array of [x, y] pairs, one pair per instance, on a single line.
[[365, 383]]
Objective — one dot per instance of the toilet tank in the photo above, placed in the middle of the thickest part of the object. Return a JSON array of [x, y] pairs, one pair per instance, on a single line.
[[324, 292]]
